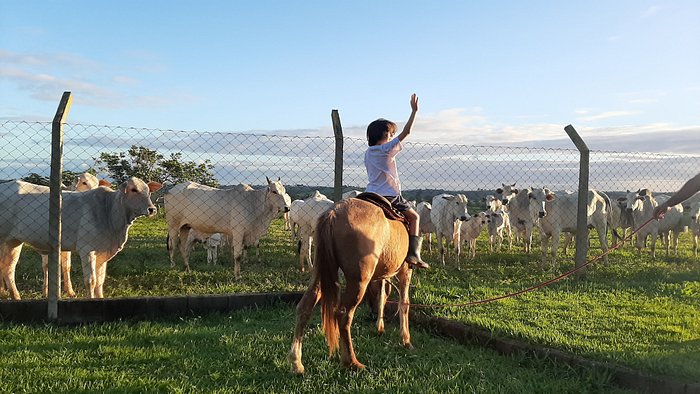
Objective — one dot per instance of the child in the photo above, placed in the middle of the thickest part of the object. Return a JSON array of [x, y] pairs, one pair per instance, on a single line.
[[384, 178]]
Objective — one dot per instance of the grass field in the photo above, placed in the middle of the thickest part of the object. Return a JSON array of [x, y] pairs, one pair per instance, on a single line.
[[636, 311]]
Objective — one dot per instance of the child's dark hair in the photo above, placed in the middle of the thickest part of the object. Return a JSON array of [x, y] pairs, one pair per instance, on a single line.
[[376, 130]]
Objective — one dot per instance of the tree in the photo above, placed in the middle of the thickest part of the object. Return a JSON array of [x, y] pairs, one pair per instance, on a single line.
[[67, 177], [150, 165]]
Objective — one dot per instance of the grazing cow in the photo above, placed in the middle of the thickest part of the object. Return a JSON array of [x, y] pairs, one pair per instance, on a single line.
[[558, 214], [447, 214], [243, 216], [498, 224], [521, 219], [305, 214], [427, 227], [95, 224], [641, 204], [694, 214], [82, 182], [470, 229], [211, 241]]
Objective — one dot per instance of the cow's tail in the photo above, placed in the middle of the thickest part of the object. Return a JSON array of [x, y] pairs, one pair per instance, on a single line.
[[327, 271], [167, 242]]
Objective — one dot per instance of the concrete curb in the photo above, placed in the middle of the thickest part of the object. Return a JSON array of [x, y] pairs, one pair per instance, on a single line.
[[77, 311]]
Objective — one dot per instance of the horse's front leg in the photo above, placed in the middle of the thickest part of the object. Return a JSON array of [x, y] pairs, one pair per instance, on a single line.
[[404, 278]]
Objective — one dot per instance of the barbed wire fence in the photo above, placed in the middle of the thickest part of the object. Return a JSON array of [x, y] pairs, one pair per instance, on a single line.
[[305, 164]]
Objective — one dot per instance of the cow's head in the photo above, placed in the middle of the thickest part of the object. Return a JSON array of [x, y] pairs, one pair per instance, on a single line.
[[506, 192], [277, 196], [457, 206], [137, 197], [538, 198]]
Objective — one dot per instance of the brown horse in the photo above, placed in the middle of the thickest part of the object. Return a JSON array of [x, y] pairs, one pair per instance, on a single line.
[[355, 237]]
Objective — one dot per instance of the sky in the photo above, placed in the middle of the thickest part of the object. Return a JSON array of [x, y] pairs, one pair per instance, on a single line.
[[624, 73]]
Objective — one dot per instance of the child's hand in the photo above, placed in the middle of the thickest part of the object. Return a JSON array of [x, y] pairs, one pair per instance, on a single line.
[[414, 102]]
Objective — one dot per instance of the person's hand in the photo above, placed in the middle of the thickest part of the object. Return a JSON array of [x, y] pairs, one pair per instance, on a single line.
[[659, 212], [414, 102]]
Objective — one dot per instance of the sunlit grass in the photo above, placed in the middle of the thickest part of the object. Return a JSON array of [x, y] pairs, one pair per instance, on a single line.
[[640, 312]]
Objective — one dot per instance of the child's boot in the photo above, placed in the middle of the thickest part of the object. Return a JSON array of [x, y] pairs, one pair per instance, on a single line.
[[414, 245]]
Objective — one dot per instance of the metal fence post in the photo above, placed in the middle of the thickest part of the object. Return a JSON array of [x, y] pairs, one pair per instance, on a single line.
[[55, 205], [338, 132], [581, 214]]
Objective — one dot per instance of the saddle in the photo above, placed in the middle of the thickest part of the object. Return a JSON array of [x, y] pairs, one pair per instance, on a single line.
[[389, 212]]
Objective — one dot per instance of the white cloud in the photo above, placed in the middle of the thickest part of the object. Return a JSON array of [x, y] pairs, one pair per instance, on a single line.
[[606, 115]]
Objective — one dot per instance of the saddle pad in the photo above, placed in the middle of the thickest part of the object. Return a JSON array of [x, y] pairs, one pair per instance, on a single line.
[[389, 212]]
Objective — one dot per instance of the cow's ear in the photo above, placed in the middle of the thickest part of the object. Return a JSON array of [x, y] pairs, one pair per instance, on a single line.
[[103, 182], [499, 191], [550, 197], [154, 186], [448, 197], [515, 191]]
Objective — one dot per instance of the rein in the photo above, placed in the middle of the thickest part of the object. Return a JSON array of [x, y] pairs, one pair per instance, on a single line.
[[535, 287]]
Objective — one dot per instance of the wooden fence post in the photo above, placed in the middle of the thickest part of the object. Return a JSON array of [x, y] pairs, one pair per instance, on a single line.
[[338, 132], [55, 205], [581, 214]]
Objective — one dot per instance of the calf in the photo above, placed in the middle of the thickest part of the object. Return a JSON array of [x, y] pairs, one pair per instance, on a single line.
[[694, 214], [471, 228], [499, 223], [641, 204], [95, 224]]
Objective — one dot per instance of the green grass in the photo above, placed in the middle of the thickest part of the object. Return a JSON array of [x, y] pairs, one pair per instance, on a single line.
[[245, 352], [636, 311]]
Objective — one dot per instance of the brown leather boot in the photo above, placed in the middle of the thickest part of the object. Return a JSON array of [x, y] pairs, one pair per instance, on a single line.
[[413, 259]]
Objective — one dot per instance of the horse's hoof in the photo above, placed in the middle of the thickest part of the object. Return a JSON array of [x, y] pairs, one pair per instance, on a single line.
[[297, 366], [70, 294], [408, 346], [356, 366]]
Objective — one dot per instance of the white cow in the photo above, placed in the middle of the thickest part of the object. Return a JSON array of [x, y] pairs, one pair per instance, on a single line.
[[494, 204], [304, 214], [81, 183], [558, 214], [243, 216], [350, 194], [448, 213], [499, 223], [470, 230], [694, 214], [427, 227], [95, 224], [641, 204], [618, 217], [519, 212]]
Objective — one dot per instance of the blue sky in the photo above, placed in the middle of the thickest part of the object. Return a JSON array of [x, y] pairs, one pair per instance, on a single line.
[[624, 73]]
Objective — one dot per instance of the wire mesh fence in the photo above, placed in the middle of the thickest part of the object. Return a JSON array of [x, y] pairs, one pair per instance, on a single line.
[[291, 173]]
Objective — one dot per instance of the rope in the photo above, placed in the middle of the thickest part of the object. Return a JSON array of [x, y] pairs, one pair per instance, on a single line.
[[538, 286]]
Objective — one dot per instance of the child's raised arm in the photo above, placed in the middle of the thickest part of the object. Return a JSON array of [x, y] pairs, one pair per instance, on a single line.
[[409, 123]]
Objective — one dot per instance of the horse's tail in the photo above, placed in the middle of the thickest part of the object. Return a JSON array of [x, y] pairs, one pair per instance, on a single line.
[[327, 271]]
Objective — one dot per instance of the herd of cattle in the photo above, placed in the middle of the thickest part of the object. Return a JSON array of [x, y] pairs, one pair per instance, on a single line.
[[96, 220]]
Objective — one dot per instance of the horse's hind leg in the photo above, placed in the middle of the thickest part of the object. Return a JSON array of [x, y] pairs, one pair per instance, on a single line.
[[404, 277], [304, 310], [352, 296], [381, 302]]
